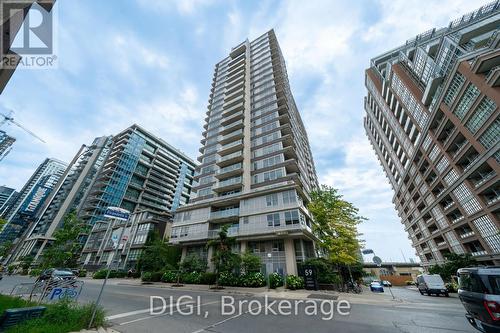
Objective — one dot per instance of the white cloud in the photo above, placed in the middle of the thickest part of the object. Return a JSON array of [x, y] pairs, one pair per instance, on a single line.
[[183, 7]]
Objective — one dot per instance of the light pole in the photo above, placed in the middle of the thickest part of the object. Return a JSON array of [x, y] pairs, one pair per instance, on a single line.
[[116, 214]]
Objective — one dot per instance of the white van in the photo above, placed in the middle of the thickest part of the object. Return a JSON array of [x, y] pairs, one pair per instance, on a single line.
[[431, 284]]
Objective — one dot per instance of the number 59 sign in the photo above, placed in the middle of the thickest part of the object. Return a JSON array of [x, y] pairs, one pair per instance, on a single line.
[[310, 278]]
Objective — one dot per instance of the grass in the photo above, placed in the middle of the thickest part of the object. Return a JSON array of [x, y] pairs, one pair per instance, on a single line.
[[60, 317]]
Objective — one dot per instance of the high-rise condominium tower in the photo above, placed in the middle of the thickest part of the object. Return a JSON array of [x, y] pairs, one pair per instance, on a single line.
[[32, 196], [432, 118], [141, 173], [256, 165], [69, 194], [6, 142]]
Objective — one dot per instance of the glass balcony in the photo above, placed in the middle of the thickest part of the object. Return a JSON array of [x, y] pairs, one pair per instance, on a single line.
[[223, 214]]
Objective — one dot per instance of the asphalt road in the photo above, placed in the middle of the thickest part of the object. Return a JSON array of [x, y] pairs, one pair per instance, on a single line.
[[128, 310]]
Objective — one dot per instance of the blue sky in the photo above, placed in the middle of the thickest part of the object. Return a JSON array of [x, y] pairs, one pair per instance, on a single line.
[[151, 62]]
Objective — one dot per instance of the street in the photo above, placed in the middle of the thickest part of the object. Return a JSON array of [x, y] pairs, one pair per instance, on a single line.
[[127, 307]]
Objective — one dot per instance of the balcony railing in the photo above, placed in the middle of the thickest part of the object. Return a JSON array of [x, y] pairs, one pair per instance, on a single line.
[[478, 253], [229, 168], [467, 234], [225, 213]]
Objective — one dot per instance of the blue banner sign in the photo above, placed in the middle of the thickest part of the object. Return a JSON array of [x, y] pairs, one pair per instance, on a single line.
[[117, 213]]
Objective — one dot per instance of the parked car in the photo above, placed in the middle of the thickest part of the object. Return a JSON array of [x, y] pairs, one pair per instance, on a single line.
[[56, 274], [479, 292], [431, 284], [376, 286], [386, 283]]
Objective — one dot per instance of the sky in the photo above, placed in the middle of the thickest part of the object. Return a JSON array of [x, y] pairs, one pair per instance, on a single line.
[[151, 62]]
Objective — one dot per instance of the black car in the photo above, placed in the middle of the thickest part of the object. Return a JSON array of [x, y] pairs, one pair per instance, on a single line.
[[479, 292]]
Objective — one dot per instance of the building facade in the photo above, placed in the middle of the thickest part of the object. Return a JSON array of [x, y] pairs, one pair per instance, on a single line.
[[141, 173], [103, 239], [7, 197], [432, 118], [6, 142], [256, 169], [69, 195], [25, 210]]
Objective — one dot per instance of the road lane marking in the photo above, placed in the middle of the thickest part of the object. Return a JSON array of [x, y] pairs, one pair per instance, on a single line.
[[132, 313], [224, 320], [155, 316]]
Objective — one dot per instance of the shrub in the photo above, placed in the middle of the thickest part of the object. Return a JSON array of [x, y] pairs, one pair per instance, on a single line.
[[253, 280], [451, 287], [146, 276], [169, 277], [11, 268], [193, 263], [410, 282], [82, 273], [275, 280], [207, 278], [191, 278], [35, 272], [62, 316], [100, 274], [250, 262], [294, 282], [156, 276], [228, 279]]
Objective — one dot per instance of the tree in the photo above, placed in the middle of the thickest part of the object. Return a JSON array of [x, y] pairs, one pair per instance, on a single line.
[[5, 248], [66, 248], [452, 264], [158, 254], [250, 262], [193, 263], [336, 222], [223, 258]]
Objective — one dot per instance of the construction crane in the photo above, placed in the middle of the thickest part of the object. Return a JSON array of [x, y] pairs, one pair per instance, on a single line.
[[7, 118]]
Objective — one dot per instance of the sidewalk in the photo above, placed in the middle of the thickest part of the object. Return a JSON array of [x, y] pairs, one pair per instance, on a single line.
[[366, 297]]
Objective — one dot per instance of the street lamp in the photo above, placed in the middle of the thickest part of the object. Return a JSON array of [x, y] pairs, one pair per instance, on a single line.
[[115, 214]]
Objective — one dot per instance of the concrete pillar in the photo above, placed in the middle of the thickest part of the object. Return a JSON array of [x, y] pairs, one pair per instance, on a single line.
[[184, 253], [243, 246], [210, 264], [291, 262]]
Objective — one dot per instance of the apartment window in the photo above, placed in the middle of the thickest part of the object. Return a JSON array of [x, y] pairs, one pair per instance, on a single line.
[[272, 175], [489, 231], [143, 227], [465, 103], [140, 239], [204, 192], [289, 197], [483, 111], [272, 199], [466, 199], [490, 136], [454, 89], [292, 217], [273, 220], [134, 254]]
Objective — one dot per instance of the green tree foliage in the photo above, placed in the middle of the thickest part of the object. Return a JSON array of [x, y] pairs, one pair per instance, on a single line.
[[193, 263], [158, 254], [5, 249], [66, 248], [250, 262], [453, 263], [336, 222], [225, 261]]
